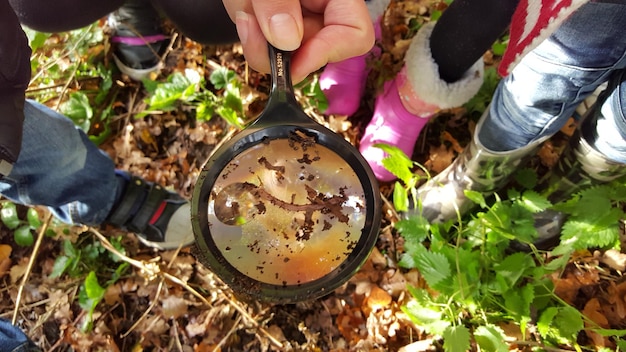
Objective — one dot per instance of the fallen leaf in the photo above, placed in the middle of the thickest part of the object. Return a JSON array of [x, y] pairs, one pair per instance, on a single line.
[[174, 306], [593, 311], [378, 298], [5, 251], [614, 259]]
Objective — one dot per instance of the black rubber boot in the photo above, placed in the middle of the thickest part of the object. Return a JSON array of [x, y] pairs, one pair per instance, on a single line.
[[138, 41]]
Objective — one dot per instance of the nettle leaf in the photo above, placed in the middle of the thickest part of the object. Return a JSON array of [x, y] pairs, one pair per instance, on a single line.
[[428, 317], [414, 229], [512, 268], [534, 202], [397, 162], [434, 267], [600, 232], [517, 302], [491, 338], [569, 321], [456, 339], [591, 202]]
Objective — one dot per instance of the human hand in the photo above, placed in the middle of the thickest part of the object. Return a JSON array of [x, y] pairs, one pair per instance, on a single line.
[[317, 31]]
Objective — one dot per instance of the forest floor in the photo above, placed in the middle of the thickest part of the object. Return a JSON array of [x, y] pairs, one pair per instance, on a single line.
[[168, 301]]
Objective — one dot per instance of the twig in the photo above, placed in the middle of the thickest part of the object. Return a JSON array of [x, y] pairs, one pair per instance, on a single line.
[[152, 270], [218, 347], [29, 267], [145, 313]]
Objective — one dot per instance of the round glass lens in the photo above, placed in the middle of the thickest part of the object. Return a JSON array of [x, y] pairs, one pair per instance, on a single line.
[[287, 211]]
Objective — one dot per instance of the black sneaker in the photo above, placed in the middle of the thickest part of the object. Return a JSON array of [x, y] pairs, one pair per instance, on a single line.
[[160, 218]]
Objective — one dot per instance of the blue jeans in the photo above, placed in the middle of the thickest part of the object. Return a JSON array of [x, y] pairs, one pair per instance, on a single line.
[[12, 339], [544, 89], [59, 167]]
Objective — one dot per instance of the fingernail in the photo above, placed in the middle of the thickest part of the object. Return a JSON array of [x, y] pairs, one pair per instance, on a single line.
[[241, 22], [285, 32]]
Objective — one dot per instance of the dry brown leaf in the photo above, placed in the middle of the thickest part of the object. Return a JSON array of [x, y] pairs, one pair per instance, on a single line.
[[548, 155], [174, 306], [614, 259], [593, 311], [378, 299], [5, 251], [440, 157]]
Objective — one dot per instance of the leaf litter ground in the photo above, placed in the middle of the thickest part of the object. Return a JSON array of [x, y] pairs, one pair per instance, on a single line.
[[168, 301]]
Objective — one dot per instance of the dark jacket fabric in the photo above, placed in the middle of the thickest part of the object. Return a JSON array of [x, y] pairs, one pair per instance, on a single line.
[[14, 77]]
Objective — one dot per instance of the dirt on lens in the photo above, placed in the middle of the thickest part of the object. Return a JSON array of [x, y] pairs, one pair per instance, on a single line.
[[287, 211]]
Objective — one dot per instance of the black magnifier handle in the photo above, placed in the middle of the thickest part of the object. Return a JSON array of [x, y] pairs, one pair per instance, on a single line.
[[282, 87]]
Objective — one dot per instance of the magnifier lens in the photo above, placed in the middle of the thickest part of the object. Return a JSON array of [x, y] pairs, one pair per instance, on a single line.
[[287, 211]]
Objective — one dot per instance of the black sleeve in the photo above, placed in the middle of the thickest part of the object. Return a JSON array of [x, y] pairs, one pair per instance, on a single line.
[[14, 77], [465, 31]]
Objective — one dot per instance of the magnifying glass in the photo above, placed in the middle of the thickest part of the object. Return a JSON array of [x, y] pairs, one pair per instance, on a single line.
[[287, 210]]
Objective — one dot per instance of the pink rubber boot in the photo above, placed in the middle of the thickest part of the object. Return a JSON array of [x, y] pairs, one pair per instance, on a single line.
[[343, 83], [411, 99], [394, 125]]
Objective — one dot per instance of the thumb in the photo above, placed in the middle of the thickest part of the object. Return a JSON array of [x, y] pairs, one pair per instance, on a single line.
[[281, 22]]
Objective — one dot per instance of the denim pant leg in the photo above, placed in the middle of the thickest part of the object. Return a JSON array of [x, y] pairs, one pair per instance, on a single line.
[[610, 127], [59, 167], [12, 339], [544, 89]]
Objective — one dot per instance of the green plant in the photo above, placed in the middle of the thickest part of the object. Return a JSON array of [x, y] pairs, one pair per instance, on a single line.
[[311, 89], [89, 259], [22, 228], [476, 283], [189, 90]]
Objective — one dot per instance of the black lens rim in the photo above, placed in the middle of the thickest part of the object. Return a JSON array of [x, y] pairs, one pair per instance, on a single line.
[[248, 288]]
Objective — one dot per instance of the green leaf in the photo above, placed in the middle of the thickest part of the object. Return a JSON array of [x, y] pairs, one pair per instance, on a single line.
[[456, 339], [221, 77], [78, 109], [560, 323], [490, 338], [476, 197], [511, 269], [166, 94], [9, 217], [534, 202], [398, 163], [517, 302], [36, 39], [621, 344], [93, 291], [430, 318], [434, 267], [498, 48], [400, 197], [414, 229], [61, 263], [32, 216], [569, 322], [90, 294], [23, 236], [204, 111]]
